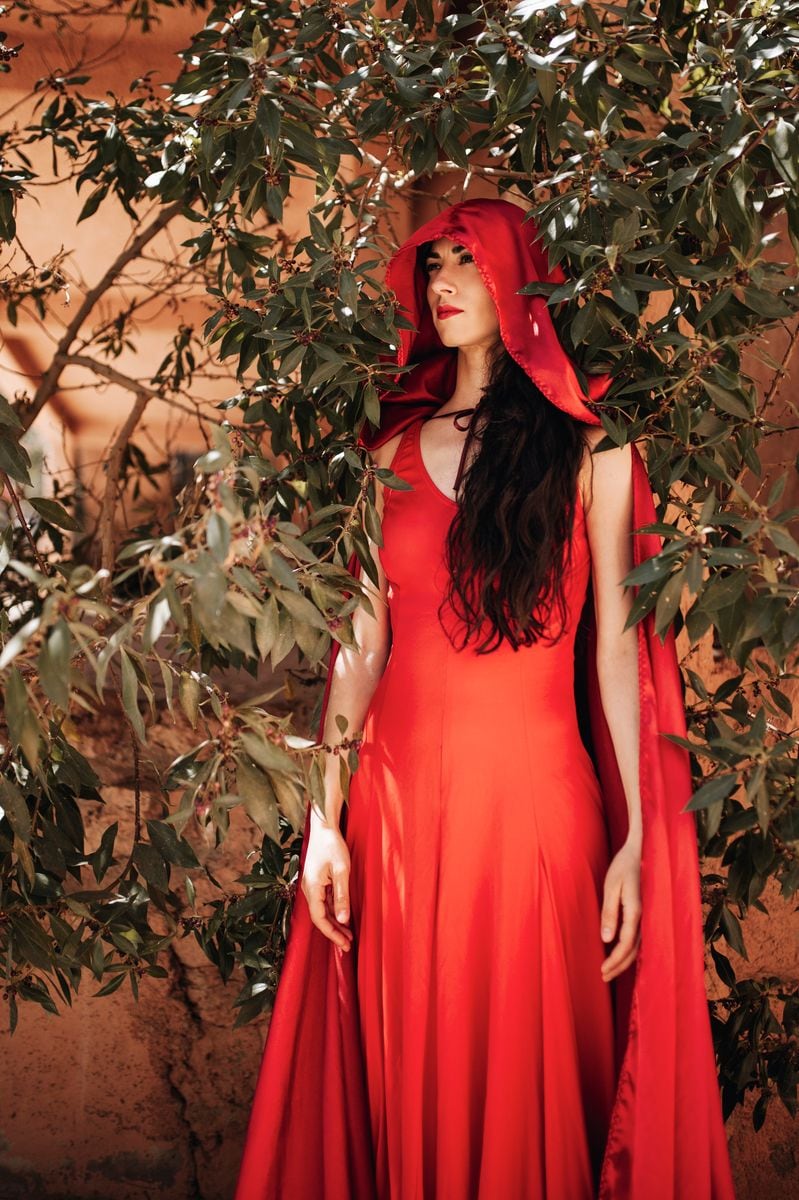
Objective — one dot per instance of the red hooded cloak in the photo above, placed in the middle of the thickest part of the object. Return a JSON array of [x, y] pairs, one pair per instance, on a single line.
[[309, 1136]]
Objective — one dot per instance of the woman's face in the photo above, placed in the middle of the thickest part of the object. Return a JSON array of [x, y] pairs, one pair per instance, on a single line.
[[462, 308]]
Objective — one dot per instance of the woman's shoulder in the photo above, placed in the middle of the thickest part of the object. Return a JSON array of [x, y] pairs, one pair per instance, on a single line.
[[384, 453], [609, 467]]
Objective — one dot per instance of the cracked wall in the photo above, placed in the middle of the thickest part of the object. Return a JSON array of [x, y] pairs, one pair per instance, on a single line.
[[114, 1099]]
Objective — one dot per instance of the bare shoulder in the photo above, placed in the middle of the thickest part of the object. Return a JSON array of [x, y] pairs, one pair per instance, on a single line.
[[382, 457], [605, 475], [384, 454]]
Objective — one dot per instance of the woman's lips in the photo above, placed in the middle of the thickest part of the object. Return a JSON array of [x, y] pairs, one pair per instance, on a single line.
[[443, 313]]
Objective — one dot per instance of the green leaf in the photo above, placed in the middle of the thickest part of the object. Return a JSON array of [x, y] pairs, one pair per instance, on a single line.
[[268, 120], [174, 849], [782, 140], [624, 295], [30, 941], [260, 802], [218, 536], [716, 788], [113, 984], [208, 601], [158, 614], [302, 609], [54, 513], [130, 691], [268, 756], [15, 809], [8, 416], [731, 928], [723, 590], [151, 865], [727, 401], [93, 203], [54, 659], [290, 799], [14, 460], [267, 626], [103, 856], [723, 967], [668, 600], [16, 644], [547, 81], [22, 724], [189, 696]]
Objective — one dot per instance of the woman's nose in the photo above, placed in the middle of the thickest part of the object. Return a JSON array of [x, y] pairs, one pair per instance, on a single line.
[[440, 283]]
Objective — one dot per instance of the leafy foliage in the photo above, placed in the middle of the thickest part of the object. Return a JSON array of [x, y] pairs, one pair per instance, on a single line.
[[657, 150]]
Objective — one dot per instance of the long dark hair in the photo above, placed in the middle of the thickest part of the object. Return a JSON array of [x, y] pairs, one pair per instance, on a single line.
[[510, 540]]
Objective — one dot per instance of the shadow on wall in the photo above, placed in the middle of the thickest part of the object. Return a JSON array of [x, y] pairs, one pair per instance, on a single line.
[[114, 1100]]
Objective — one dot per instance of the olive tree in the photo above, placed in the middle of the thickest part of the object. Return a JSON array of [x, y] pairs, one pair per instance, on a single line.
[[657, 148]]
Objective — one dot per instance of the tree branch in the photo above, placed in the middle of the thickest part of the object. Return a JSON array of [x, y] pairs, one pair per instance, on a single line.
[[106, 522], [28, 412], [43, 567], [113, 376], [132, 385]]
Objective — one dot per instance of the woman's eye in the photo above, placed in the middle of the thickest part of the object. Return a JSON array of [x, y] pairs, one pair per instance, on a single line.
[[464, 258]]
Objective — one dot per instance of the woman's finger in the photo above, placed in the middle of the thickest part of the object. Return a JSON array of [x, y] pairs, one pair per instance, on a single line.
[[610, 912], [629, 925], [611, 971], [342, 929], [341, 892], [317, 909], [315, 895], [626, 948]]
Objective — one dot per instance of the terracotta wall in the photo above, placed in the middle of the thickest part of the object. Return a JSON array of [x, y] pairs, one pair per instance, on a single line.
[[115, 1100]]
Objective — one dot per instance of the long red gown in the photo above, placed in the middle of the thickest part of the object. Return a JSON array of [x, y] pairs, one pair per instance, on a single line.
[[479, 849], [465, 1041]]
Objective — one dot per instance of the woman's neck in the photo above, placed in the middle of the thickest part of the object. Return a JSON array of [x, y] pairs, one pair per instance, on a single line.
[[472, 377]]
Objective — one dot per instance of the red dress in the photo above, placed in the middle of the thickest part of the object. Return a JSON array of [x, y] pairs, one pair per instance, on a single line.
[[450, 1043], [310, 1132], [479, 850]]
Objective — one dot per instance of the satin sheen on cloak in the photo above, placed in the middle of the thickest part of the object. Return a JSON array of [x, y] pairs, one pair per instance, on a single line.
[[309, 1133]]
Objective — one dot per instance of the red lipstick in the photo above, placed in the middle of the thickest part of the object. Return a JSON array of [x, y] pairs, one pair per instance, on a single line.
[[446, 310]]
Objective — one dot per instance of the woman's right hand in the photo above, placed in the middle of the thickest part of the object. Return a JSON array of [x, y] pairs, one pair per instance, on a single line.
[[327, 864]]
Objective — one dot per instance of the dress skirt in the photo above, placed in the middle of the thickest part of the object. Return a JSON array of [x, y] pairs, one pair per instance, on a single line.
[[479, 849]]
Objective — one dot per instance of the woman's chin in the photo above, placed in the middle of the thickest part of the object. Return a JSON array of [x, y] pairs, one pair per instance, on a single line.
[[454, 341], [451, 338]]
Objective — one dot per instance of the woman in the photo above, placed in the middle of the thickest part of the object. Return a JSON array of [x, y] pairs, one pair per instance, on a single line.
[[451, 1023]]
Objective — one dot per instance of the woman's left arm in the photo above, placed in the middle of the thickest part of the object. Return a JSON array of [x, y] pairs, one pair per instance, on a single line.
[[609, 518]]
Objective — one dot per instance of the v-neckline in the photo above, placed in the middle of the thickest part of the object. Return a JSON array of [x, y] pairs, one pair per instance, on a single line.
[[428, 477], [431, 483]]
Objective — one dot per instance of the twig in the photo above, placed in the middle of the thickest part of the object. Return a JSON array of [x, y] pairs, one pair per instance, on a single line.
[[113, 376], [779, 375], [43, 567], [133, 385], [51, 376], [134, 741], [106, 522]]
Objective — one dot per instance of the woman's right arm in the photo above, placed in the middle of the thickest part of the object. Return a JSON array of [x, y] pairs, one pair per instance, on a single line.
[[356, 674]]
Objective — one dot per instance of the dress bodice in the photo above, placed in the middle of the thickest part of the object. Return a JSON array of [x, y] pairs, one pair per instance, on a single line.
[[415, 526]]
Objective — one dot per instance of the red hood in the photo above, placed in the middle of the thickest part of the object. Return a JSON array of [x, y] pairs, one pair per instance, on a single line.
[[509, 254]]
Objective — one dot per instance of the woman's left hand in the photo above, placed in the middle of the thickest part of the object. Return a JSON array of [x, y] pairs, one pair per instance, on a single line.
[[622, 888]]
